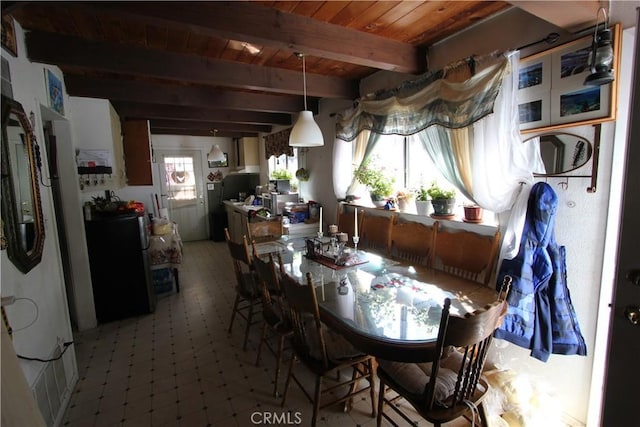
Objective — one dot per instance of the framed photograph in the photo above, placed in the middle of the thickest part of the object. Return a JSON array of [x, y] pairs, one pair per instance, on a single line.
[[221, 164], [552, 82], [9, 35], [534, 111], [534, 75], [55, 92]]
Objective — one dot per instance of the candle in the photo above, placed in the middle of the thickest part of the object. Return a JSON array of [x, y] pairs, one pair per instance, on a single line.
[[355, 223], [320, 226]]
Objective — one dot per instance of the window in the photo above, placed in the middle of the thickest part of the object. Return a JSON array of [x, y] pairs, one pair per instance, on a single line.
[[284, 162], [405, 159], [180, 178]]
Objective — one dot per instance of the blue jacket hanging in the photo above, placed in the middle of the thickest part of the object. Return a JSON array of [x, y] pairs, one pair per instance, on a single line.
[[540, 316]]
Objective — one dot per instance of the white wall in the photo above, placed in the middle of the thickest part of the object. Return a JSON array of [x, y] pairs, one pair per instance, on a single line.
[[44, 285]]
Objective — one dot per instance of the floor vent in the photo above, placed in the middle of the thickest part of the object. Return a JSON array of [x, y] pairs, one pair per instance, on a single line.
[[50, 389]]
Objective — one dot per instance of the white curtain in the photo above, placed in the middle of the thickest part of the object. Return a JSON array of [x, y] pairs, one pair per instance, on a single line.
[[470, 128]]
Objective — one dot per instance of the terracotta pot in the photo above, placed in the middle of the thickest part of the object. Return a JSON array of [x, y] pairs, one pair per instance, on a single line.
[[473, 213]]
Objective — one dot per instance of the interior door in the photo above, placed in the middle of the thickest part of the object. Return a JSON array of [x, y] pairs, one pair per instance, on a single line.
[[623, 370], [182, 191]]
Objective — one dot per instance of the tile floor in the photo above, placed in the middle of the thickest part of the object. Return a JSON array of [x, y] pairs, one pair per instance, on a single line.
[[179, 367]]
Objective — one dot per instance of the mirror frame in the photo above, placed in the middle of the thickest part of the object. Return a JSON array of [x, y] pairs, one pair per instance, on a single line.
[[568, 172], [22, 259]]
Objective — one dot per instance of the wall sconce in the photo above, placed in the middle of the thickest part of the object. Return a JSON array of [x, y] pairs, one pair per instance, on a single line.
[[306, 132], [601, 56]]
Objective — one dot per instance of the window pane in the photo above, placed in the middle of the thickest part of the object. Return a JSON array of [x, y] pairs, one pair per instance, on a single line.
[[180, 178], [388, 156]]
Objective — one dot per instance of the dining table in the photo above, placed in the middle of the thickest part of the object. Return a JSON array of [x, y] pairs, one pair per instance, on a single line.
[[386, 307]]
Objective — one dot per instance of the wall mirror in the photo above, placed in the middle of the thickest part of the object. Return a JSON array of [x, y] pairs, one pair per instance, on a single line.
[[561, 153], [22, 221]]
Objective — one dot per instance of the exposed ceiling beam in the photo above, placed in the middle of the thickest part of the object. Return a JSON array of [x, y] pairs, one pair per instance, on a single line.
[[202, 125], [155, 111], [199, 132], [190, 95], [254, 23], [71, 51]]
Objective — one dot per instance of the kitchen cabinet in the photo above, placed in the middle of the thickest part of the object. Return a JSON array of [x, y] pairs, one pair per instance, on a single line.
[[136, 140], [237, 222], [247, 158]]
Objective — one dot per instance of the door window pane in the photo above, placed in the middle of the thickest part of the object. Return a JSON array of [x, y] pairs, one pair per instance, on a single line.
[[180, 178]]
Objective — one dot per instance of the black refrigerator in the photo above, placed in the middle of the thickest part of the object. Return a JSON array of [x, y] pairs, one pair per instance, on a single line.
[[120, 270]]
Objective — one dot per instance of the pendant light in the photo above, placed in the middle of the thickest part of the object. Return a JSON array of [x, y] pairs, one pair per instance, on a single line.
[[305, 132], [601, 56], [216, 154]]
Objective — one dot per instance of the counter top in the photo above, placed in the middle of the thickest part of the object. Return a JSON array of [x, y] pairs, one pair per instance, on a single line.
[[241, 207]]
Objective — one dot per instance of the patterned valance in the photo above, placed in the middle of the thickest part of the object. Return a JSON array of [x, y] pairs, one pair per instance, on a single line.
[[277, 144], [435, 99]]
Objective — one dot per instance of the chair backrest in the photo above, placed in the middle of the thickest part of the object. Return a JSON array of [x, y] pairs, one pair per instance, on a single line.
[[346, 221], [240, 256], [471, 335], [264, 231], [466, 254], [308, 339], [413, 241], [376, 233], [269, 285]]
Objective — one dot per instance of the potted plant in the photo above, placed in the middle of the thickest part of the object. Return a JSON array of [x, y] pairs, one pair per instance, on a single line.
[[443, 201], [472, 213], [380, 186], [281, 174], [404, 198], [422, 202]]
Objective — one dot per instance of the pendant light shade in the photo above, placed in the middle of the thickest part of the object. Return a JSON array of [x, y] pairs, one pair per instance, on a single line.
[[305, 132], [216, 154], [601, 56]]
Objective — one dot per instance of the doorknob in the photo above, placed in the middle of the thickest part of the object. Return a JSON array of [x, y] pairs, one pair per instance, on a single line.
[[633, 314], [633, 276]]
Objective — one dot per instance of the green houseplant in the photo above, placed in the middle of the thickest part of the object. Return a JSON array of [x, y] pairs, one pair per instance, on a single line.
[[281, 174], [380, 186], [443, 201]]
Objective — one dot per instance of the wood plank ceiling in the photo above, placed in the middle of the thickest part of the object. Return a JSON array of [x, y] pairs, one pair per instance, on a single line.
[[192, 67]]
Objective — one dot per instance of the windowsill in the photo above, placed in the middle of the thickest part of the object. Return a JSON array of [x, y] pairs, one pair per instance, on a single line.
[[489, 218]]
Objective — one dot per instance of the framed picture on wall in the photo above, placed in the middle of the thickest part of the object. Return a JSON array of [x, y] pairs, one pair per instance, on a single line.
[[551, 89], [9, 35], [221, 164], [55, 92]]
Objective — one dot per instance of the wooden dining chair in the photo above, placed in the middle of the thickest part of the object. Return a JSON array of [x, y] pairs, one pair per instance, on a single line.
[[274, 318], [247, 294], [264, 231], [325, 353], [413, 241], [346, 221], [466, 254], [451, 384], [375, 234]]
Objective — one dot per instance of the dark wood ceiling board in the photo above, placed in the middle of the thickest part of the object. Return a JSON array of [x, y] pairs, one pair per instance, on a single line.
[[85, 25], [178, 39], [455, 17], [351, 12], [196, 132], [367, 20], [185, 95], [253, 23], [156, 36], [155, 111], [386, 23], [329, 10], [215, 47], [69, 51], [195, 124], [305, 8]]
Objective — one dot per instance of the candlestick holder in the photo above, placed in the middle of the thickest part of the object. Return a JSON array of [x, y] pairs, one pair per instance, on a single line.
[[356, 240], [320, 234]]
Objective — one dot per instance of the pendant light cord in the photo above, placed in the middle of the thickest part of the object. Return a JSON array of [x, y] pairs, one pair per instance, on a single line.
[[304, 82]]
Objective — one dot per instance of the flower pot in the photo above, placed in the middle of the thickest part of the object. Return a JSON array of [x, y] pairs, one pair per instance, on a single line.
[[422, 207], [473, 213], [404, 205], [443, 207], [378, 201]]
